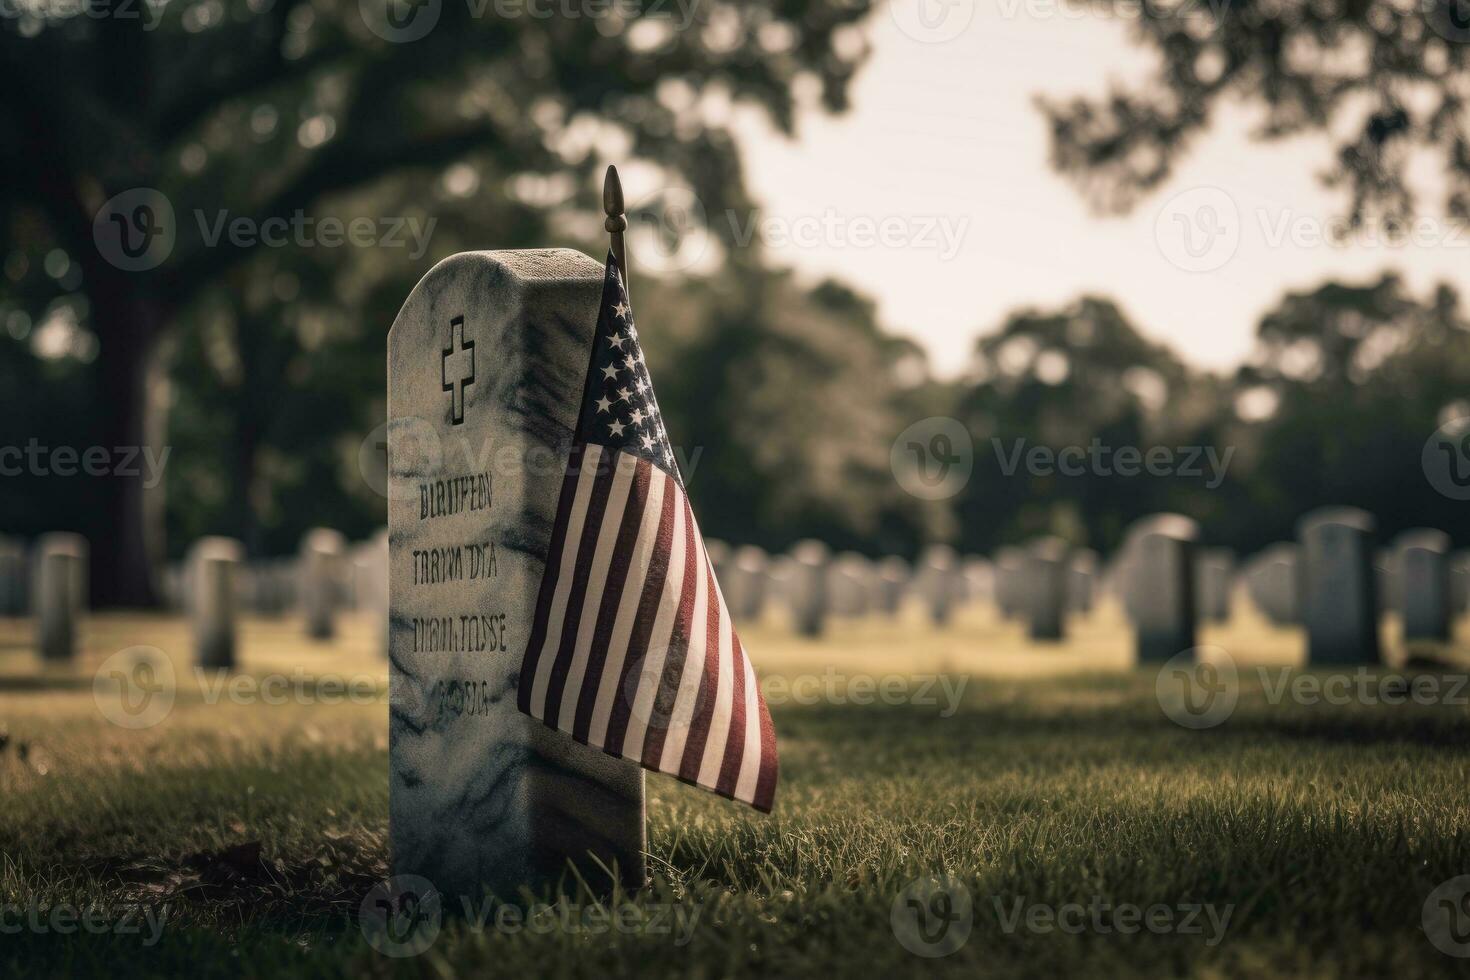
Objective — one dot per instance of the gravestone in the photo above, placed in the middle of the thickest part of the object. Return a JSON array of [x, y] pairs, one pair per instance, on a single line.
[[1424, 584], [979, 579], [58, 592], [892, 581], [1273, 581], [938, 581], [1339, 605], [1383, 570], [1082, 575], [746, 594], [213, 569], [1009, 581], [848, 585], [719, 553], [1460, 583], [371, 567], [321, 580], [807, 588], [1046, 588], [12, 578], [1214, 571], [1161, 553], [486, 366]]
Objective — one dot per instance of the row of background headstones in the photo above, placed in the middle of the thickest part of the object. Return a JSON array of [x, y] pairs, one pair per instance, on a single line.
[[1332, 581]]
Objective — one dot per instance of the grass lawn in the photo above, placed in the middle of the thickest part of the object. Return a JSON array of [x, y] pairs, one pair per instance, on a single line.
[[1305, 837]]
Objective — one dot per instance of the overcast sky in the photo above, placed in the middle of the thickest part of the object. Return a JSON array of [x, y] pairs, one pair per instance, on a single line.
[[944, 150]]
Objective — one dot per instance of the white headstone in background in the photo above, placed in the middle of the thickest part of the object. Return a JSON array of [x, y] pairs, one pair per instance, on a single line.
[[1161, 585], [12, 578], [1214, 570], [893, 582], [1273, 581], [979, 580], [1045, 579], [849, 582], [59, 594], [1339, 604], [213, 568], [1082, 580], [938, 580], [1010, 588], [746, 593], [487, 362], [320, 578], [1424, 587], [807, 589]]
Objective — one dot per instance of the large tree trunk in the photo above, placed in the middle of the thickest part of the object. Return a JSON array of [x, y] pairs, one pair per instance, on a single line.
[[128, 543]]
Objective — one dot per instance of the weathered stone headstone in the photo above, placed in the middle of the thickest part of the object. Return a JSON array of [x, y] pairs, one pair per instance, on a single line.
[[1214, 573], [1339, 606], [321, 577], [939, 581], [848, 584], [486, 366], [371, 572], [893, 581], [1460, 583], [12, 578], [979, 580], [213, 569], [1424, 586], [1010, 570], [746, 592], [58, 592], [1161, 552], [807, 589], [1082, 580], [1273, 580], [1046, 588]]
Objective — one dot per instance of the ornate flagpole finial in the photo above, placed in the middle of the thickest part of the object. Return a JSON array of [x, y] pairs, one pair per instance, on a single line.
[[616, 223]]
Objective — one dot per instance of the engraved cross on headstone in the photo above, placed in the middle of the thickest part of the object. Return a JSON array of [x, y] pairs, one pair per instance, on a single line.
[[460, 374]]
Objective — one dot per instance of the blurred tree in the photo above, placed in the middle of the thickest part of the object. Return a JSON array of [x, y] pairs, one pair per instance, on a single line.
[[1383, 80], [248, 110]]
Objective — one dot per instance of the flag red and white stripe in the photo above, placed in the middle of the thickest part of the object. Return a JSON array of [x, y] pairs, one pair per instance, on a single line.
[[632, 649]]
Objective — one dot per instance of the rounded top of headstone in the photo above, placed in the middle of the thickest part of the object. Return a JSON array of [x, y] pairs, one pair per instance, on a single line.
[[1048, 548], [1353, 517], [1282, 551], [940, 557], [1085, 559], [750, 558], [1424, 538], [1008, 556], [216, 547], [809, 551], [717, 550], [893, 568], [324, 540], [975, 563], [1168, 525], [380, 538], [62, 543], [531, 267]]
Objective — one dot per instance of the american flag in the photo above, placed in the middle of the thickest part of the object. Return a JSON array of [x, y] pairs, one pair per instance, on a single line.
[[632, 649]]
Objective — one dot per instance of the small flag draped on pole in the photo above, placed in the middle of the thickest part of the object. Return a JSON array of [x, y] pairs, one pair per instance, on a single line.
[[632, 650]]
